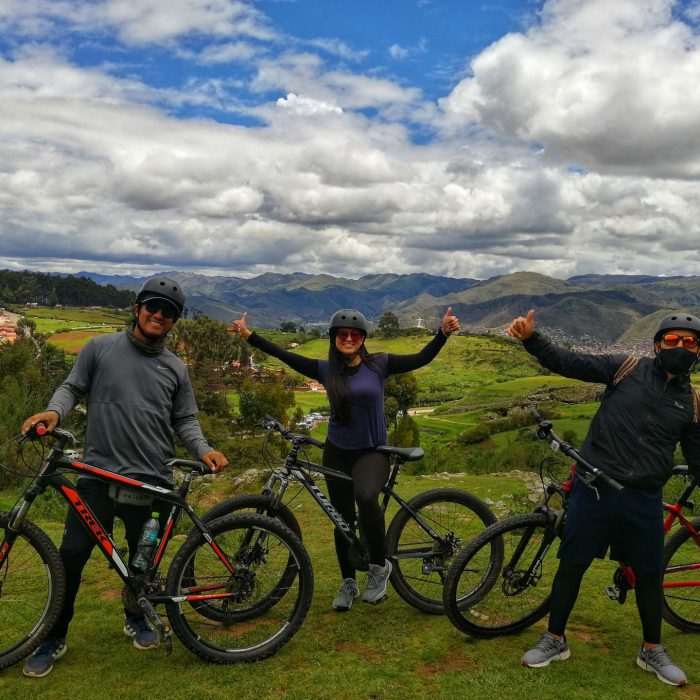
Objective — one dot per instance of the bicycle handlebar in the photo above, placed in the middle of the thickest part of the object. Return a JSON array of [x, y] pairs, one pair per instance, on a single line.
[[269, 423], [40, 430], [191, 464], [545, 431]]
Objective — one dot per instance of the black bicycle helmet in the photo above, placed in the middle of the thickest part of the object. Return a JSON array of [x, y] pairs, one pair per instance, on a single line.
[[348, 318], [162, 288], [681, 321]]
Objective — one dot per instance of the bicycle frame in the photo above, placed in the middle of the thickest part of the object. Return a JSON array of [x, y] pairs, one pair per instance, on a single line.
[[49, 478], [675, 512], [296, 468]]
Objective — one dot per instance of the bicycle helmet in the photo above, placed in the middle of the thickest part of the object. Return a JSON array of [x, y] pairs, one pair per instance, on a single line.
[[680, 321], [348, 318], [162, 288]]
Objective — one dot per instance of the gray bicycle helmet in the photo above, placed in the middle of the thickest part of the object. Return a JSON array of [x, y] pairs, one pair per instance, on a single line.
[[162, 288], [348, 318], [680, 321]]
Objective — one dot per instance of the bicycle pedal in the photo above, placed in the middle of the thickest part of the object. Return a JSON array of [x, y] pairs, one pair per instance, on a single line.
[[617, 594], [168, 640]]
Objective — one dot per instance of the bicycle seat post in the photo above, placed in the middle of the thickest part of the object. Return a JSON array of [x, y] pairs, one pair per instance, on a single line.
[[391, 482]]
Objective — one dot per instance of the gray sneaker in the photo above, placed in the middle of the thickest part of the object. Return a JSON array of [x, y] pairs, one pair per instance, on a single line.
[[548, 649], [40, 663], [377, 579], [348, 593], [657, 660]]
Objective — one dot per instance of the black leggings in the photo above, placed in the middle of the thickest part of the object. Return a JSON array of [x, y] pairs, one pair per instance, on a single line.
[[369, 471], [565, 588], [77, 545]]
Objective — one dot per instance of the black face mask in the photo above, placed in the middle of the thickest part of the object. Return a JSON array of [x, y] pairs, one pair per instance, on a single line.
[[677, 360]]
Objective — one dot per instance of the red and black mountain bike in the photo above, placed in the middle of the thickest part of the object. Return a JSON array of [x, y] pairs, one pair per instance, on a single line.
[[237, 589]]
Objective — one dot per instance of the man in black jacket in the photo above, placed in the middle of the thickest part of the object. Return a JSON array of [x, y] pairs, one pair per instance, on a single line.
[[649, 406]]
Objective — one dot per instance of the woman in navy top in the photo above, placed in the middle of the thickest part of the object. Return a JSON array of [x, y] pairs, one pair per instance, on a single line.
[[354, 380]]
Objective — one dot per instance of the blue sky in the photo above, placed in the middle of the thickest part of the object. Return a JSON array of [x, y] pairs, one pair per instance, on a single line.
[[239, 137]]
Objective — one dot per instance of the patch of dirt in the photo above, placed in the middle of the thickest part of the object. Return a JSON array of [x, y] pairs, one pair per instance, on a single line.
[[371, 656], [451, 663]]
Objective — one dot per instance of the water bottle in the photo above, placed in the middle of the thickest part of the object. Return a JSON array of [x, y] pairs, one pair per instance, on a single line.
[[147, 543]]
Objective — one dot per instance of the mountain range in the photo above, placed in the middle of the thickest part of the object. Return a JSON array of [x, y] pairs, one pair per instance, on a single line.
[[599, 308]]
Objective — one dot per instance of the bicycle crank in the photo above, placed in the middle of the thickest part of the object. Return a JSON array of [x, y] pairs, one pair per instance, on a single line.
[[164, 632]]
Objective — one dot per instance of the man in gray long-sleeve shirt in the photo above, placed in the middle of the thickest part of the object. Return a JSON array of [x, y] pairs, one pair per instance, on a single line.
[[138, 394]]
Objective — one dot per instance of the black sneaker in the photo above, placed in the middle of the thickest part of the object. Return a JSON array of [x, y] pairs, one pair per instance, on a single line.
[[144, 636], [40, 663]]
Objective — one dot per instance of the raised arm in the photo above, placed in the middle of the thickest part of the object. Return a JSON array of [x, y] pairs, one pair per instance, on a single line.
[[577, 365], [407, 363], [304, 365]]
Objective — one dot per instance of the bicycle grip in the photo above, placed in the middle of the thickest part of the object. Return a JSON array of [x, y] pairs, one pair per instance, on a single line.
[[611, 482], [40, 429]]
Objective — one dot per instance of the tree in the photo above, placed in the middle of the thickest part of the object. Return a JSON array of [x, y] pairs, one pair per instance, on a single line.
[[259, 399], [207, 348], [406, 433], [52, 298], [403, 388], [388, 323], [288, 327], [30, 371]]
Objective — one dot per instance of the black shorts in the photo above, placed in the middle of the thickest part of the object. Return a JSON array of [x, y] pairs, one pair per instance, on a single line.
[[630, 522]]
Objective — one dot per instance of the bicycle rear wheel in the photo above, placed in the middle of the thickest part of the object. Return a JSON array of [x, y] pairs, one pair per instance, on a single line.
[[682, 566], [420, 560], [501, 582], [32, 586], [256, 615]]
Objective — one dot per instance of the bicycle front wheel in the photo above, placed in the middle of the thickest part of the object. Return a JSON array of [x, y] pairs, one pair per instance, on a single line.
[[501, 582], [248, 503], [681, 576], [424, 537], [32, 586], [241, 571]]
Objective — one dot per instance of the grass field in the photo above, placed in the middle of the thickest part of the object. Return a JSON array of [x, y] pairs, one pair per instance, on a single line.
[[70, 328], [385, 651]]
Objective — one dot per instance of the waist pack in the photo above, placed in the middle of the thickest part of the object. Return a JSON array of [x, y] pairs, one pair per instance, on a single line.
[[128, 497]]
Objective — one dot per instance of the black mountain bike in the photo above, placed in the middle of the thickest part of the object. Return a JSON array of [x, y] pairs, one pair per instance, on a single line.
[[423, 537], [501, 581], [249, 573]]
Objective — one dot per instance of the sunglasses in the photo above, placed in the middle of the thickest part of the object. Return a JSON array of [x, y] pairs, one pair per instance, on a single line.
[[344, 334], [687, 341], [166, 310]]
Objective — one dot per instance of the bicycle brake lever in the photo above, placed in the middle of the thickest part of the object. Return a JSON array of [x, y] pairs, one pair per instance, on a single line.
[[588, 478]]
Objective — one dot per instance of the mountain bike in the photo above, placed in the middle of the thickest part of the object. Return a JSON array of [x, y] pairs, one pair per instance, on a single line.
[[240, 561], [500, 583], [421, 540]]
